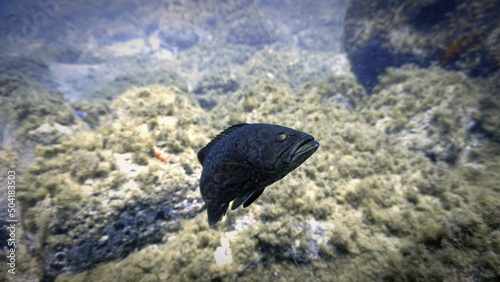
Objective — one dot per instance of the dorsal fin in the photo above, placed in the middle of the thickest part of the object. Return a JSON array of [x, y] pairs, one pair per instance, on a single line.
[[202, 152]]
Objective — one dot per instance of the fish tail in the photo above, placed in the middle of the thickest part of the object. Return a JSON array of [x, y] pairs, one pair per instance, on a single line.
[[216, 211]]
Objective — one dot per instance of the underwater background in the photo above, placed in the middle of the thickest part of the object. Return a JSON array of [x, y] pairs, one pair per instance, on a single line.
[[105, 104]]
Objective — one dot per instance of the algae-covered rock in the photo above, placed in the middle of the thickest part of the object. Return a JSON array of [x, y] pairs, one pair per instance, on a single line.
[[8, 176], [136, 73], [31, 114], [404, 186], [490, 120], [33, 69], [177, 38], [457, 35], [218, 84], [343, 89], [320, 39], [431, 110], [253, 30], [92, 199], [364, 193]]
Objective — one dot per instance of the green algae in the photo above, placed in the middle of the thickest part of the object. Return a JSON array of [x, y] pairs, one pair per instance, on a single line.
[[364, 199], [370, 196], [433, 111], [75, 187], [30, 114], [9, 162], [32, 68], [342, 87], [370, 205]]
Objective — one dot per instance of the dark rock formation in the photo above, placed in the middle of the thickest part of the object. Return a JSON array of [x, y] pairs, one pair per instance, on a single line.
[[457, 35]]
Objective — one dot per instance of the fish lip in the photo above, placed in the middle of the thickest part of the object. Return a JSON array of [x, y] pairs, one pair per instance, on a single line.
[[300, 148], [306, 147]]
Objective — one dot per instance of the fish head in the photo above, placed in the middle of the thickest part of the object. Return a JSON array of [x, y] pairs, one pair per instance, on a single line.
[[282, 148]]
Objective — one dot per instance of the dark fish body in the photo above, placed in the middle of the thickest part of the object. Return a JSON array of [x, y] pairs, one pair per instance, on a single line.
[[244, 159]]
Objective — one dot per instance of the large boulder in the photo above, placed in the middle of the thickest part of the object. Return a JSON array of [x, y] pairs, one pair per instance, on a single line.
[[457, 35], [100, 194]]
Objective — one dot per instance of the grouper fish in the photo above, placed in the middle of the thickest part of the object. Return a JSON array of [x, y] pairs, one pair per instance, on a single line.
[[240, 162]]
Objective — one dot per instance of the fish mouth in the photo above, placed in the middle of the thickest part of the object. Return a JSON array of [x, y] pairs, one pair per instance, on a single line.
[[302, 150], [306, 148]]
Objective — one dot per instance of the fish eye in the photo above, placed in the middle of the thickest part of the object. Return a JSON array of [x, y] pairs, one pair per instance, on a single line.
[[281, 137]]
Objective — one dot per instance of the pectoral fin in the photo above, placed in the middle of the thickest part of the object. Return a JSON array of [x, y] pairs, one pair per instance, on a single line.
[[216, 211], [247, 199]]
